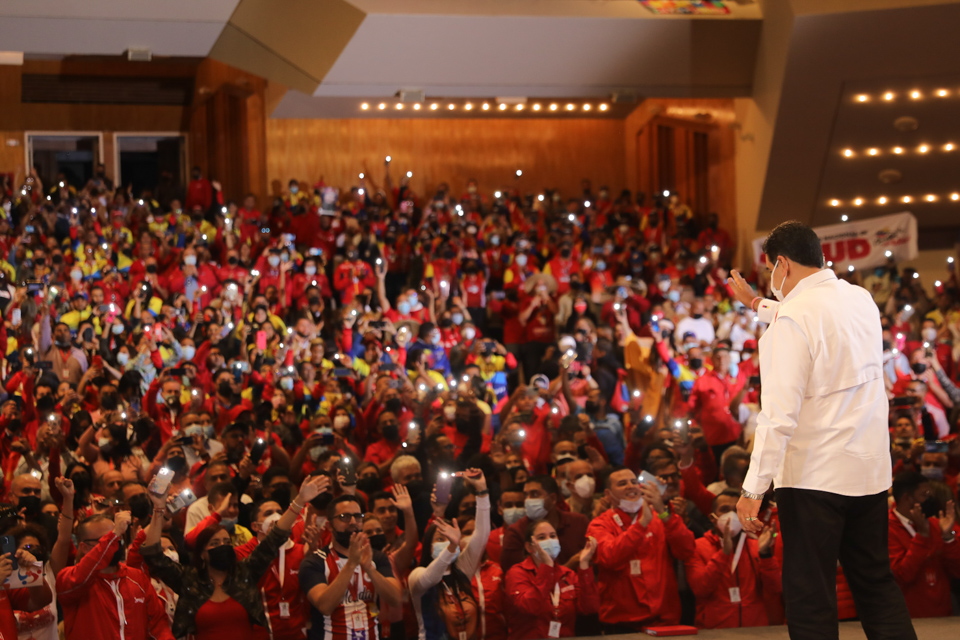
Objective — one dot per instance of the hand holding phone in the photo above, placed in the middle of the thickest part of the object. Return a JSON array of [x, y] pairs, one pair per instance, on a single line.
[[161, 481], [349, 472], [257, 451]]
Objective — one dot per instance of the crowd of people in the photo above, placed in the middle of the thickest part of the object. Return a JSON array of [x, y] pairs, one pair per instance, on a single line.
[[373, 413]]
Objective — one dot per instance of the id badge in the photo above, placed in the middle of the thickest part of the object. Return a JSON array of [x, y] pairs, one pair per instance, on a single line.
[[284, 609], [360, 621], [734, 594], [634, 567], [554, 631]]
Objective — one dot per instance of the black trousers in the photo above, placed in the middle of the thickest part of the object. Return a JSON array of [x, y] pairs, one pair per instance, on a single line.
[[818, 528]]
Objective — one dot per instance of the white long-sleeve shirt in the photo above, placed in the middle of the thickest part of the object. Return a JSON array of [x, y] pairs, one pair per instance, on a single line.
[[823, 423]]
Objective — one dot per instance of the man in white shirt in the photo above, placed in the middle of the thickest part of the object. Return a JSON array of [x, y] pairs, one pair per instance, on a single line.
[[697, 324], [822, 439]]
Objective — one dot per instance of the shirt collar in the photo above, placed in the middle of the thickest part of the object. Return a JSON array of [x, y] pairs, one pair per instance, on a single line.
[[811, 281], [905, 521]]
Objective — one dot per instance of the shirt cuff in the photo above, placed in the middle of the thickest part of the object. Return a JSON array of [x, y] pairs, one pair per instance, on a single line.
[[767, 310]]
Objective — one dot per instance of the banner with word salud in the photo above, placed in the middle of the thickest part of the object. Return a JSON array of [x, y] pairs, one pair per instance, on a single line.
[[863, 243]]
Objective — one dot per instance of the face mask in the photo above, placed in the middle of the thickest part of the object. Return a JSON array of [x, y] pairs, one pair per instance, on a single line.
[[730, 519], [274, 261], [734, 369], [919, 368], [76, 275], [369, 484], [513, 514], [224, 389], [534, 508], [696, 364], [585, 486], [222, 558], [286, 383], [932, 473], [580, 306], [104, 443], [673, 296], [435, 338], [173, 555], [601, 265], [565, 489], [177, 464], [551, 546], [342, 538], [403, 308], [117, 329], [294, 189], [457, 318], [378, 541], [438, 548], [774, 289], [522, 260], [449, 412], [189, 351], [390, 432], [631, 506], [930, 507], [495, 241], [172, 402], [309, 269], [469, 333], [341, 422], [268, 523], [190, 260], [929, 334]]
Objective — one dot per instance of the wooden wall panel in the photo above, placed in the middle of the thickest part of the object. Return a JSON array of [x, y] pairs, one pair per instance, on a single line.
[[551, 152]]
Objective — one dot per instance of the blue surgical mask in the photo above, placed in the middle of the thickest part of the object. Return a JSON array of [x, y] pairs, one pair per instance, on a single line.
[[522, 260], [534, 508], [734, 369], [286, 383], [513, 514], [435, 338], [551, 546], [122, 358], [228, 524], [403, 308], [438, 548], [673, 296], [601, 265], [294, 189], [457, 318]]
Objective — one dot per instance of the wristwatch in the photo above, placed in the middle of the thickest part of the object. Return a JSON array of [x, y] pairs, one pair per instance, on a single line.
[[752, 496]]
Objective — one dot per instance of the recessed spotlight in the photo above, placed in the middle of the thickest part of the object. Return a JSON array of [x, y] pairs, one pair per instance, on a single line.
[[451, 106], [570, 107], [942, 93], [540, 197], [907, 199], [586, 107], [434, 106], [955, 196], [844, 218], [931, 198], [399, 106], [862, 97], [888, 96], [923, 148], [897, 150], [553, 107], [503, 107], [848, 153], [857, 202], [915, 94], [834, 203], [486, 106], [519, 107], [468, 106], [382, 106], [882, 200], [536, 107], [604, 107], [519, 172], [873, 152], [416, 107], [949, 146], [365, 106]]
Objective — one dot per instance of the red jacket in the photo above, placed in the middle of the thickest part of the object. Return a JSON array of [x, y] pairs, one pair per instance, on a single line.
[[488, 592], [710, 404], [529, 598], [650, 595], [293, 626], [350, 279], [710, 578], [94, 603], [923, 566], [495, 543]]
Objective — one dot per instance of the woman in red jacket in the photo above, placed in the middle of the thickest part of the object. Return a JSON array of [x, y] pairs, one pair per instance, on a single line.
[[543, 598]]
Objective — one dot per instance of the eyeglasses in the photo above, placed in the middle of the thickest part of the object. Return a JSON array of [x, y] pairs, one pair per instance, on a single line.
[[669, 477], [347, 517]]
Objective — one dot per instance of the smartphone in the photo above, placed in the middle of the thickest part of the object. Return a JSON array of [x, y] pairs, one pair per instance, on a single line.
[[388, 366], [646, 477], [257, 450], [754, 381], [15, 317], [341, 372], [44, 364], [936, 446], [262, 340], [34, 287], [30, 229], [411, 433], [161, 481], [326, 436], [8, 544], [903, 401], [349, 471], [183, 499], [227, 328], [444, 483]]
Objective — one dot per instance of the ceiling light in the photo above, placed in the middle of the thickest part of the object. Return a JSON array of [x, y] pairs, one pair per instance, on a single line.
[[907, 199], [365, 106], [862, 97], [844, 218], [873, 152], [923, 148], [603, 107], [382, 106], [519, 172], [897, 150], [399, 106], [949, 146], [451, 106], [570, 107], [888, 96], [468, 106], [955, 196], [857, 202], [434, 106], [553, 107], [519, 107], [503, 106], [931, 198], [540, 197], [942, 93], [586, 106], [536, 107], [416, 106], [834, 203], [915, 94], [848, 153], [882, 200], [486, 106]]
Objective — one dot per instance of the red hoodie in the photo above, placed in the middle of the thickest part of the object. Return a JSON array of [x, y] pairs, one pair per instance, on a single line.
[[635, 567], [712, 581], [923, 566]]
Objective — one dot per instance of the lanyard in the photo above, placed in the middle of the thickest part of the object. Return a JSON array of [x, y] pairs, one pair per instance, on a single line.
[[736, 556], [461, 620], [481, 601], [555, 599], [282, 573]]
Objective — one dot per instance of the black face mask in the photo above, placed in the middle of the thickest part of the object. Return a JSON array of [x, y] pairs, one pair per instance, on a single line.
[[30, 505], [394, 406], [222, 558], [108, 402], [369, 484], [225, 389], [591, 407], [565, 252], [416, 487], [172, 402], [280, 493], [15, 425], [390, 432], [930, 507], [445, 322], [177, 464], [696, 363], [378, 541], [343, 538], [697, 316], [918, 368], [151, 268]]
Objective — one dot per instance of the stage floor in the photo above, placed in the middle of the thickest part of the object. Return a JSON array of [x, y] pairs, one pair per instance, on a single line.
[[927, 629]]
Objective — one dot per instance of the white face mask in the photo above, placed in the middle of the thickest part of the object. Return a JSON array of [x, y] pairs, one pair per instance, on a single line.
[[449, 412], [730, 519], [190, 260], [268, 523], [123, 358], [631, 506], [585, 486], [774, 289], [76, 275], [929, 334], [513, 514], [172, 554], [469, 333], [309, 269]]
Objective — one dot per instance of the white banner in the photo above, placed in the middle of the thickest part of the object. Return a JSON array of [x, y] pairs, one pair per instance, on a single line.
[[25, 576], [863, 243]]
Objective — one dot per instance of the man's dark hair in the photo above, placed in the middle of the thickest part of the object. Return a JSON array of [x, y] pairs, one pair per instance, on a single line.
[[219, 491], [726, 493], [380, 495], [332, 507], [907, 482], [605, 476], [658, 465], [796, 241], [548, 484]]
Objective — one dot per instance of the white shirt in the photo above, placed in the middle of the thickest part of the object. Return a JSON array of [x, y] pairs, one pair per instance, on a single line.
[[823, 423], [700, 327]]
